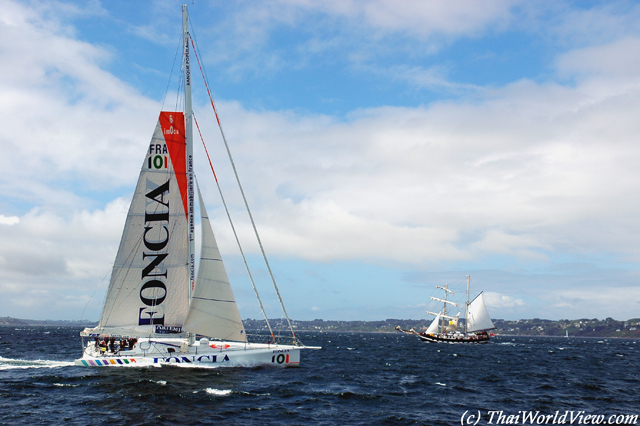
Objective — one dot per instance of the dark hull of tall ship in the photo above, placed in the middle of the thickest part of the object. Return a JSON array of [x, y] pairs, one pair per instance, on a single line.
[[454, 339]]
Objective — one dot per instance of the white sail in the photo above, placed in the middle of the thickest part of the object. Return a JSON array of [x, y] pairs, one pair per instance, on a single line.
[[148, 293], [478, 317], [453, 324], [213, 312], [435, 326]]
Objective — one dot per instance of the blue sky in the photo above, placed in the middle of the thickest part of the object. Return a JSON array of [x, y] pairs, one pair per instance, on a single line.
[[385, 147]]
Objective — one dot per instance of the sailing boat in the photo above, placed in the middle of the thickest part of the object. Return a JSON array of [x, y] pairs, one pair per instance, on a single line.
[[156, 310], [477, 322]]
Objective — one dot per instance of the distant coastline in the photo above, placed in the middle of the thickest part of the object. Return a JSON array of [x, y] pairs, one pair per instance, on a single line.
[[584, 327], [50, 323]]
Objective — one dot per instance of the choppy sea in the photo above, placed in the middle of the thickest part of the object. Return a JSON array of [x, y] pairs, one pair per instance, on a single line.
[[356, 379]]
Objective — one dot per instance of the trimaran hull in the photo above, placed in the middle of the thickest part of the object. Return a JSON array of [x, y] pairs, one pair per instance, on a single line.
[[158, 352]]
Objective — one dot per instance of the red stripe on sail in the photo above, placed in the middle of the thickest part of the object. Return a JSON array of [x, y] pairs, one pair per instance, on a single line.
[[172, 124]]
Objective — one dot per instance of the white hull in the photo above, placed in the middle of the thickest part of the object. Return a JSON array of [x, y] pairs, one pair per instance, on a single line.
[[158, 352]]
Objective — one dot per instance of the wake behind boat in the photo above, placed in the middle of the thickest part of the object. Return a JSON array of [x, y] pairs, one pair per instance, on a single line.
[[156, 310], [476, 325]]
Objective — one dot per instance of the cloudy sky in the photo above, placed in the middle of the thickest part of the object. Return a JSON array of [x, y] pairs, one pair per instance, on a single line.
[[385, 147]]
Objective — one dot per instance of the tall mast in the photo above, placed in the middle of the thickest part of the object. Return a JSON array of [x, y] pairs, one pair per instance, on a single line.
[[466, 309], [444, 308], [444, 301], [188, 116]]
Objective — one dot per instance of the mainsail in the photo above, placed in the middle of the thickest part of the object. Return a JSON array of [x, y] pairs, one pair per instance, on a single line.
[[213, 310], [477, 316], [148, 293]]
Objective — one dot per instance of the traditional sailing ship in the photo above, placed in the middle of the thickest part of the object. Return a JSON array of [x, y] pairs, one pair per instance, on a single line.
[[157, 311], [476, 325]]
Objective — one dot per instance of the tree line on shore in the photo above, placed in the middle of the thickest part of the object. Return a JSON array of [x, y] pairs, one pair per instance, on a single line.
[[584, 327]]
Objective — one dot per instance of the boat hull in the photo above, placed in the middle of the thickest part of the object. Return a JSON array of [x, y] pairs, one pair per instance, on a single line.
[[454, 339], [221, 354]]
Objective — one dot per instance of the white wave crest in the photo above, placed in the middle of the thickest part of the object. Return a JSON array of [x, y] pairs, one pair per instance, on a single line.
[[218, 392], [191, 365], [16, 364]]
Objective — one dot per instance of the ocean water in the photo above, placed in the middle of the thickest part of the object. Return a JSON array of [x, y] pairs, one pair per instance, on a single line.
[[356, 379]]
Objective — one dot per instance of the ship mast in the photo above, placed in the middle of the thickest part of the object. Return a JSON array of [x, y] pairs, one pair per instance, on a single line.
[[444, 301], [466, 310], [188, 116], [188, 127]]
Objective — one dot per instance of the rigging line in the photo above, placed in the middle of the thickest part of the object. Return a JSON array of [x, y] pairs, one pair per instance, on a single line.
[[235, 234], [166, 91], [127, 261], [255, 229], [94, 292], [179, 98]]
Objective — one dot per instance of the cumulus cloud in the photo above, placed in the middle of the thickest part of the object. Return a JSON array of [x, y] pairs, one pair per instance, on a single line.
[[497, 300], [619, 58], [520, 172], [532, 169], [65, 117], [43, 243], [11, 220]]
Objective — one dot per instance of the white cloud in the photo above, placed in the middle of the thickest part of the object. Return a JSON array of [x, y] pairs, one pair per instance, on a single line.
[[11, 220], [529, 170], [65, 118], [416, 17], [47, 260], [433, 78], [524, 172], [43, 243], [358, 32], [618, 58], [585, 25], [497, 300]]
